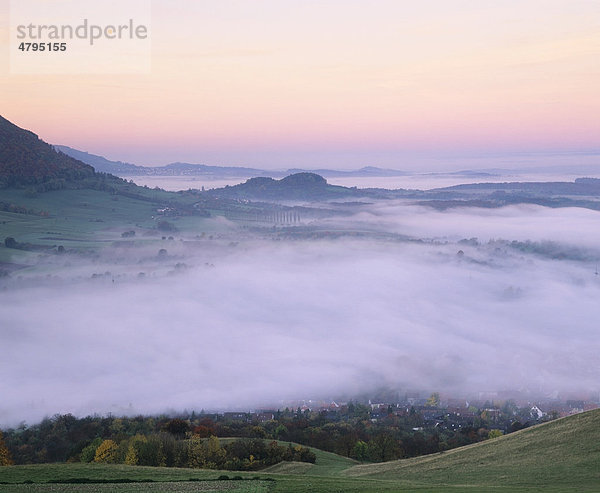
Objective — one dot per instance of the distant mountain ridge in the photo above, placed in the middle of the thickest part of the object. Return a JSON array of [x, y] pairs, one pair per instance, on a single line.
[[120, 168], [100, 163]]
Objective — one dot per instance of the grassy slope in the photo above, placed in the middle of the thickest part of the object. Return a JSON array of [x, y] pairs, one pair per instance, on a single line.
[[327, 463], [81, 219], [87, 205], [74, 215], [563, 455], [558, 455], [80, 216]]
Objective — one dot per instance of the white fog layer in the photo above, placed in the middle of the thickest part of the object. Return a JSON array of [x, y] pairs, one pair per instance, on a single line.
[[296, 319]]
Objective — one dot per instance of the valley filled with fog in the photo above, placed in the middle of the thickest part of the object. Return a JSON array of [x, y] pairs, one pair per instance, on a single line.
[[389, 295]]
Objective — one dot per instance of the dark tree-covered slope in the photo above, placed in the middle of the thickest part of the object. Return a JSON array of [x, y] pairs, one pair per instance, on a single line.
[[25, 159]]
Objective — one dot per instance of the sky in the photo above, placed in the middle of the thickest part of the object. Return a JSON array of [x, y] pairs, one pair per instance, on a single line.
[[332, 83]]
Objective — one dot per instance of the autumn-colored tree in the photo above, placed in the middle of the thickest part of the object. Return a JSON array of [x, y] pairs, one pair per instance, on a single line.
[[205, 428], [107, 452], [208, 454], [197, 452], [5, 457], [215, 454], [434, 400], [132, 458], [495, 433], [202, 431]]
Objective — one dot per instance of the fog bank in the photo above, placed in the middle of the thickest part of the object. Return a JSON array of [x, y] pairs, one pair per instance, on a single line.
[[309, 319]]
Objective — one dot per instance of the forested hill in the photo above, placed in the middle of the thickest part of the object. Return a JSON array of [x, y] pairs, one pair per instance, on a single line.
[[299, 186], [25, 159]]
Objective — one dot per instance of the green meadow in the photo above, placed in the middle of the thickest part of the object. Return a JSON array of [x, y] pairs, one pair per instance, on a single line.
[[562, 455]]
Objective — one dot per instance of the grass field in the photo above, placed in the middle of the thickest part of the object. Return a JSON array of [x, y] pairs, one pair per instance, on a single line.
[[78, 219], [85, 221], [178, 480], [562, 455], [556, 456], [230, 486]]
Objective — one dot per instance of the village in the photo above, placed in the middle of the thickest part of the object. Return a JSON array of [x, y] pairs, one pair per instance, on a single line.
[[504, 411]]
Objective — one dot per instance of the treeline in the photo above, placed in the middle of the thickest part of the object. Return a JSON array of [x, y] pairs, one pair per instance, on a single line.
[[165, 450], [45, 180], [19, 209], [352, 433], [63, 442], [389, 438], [69, 179]]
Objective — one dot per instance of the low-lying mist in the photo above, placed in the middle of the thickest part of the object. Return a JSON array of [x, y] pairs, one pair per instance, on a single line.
[[252, 323]]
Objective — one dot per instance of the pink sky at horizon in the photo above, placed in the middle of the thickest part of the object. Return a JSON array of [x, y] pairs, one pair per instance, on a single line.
[[276, 83]]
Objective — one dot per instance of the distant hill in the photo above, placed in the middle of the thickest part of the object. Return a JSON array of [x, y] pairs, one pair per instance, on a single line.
[[100, 163], [299, 186], [584, 192], [25, 159], [561, 455], [120, 168], [205, 170], [581, 186], [364, 172]]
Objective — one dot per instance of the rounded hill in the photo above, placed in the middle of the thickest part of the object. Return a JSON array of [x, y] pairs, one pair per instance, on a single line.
[[303, 180]]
